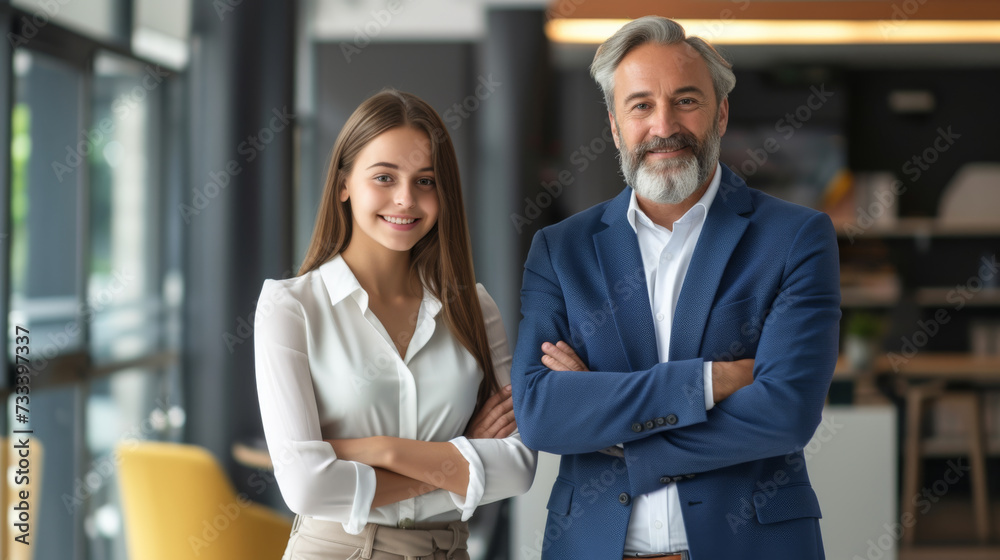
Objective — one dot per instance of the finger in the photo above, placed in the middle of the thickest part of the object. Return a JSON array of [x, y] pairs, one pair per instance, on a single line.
[[568, 350], [503, 422], [554, 364], [498, 410], [491, 403], [506, 431], [565, 360]]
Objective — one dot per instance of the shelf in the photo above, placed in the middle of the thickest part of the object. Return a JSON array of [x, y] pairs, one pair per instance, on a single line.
[[944, 446], [917, 227], [864, 298], [989, 297], [948, 366]]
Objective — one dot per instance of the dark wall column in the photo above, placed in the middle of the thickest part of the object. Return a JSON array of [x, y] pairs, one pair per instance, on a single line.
[[510, 143], [236, 206]]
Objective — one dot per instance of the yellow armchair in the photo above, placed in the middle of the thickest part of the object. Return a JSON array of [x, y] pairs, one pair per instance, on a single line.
[[178, 505]]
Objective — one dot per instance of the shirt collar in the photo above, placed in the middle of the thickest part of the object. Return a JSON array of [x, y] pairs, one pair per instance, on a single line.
[[340, 283], [697, 212]]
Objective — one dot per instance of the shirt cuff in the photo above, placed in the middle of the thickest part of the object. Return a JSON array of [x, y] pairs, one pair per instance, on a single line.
[[709, 392], [477, 479], [364, 494]]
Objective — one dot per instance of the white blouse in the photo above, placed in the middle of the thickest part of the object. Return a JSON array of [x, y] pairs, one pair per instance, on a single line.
[[327, 369]]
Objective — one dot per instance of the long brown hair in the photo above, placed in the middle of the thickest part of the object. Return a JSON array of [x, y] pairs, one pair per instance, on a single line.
[[443, 257]]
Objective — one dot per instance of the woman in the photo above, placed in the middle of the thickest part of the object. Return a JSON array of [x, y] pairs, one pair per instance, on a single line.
[[383, 368]]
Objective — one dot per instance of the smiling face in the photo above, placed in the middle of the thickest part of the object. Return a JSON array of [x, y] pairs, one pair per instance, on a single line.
[[392, 191], [667, 123]]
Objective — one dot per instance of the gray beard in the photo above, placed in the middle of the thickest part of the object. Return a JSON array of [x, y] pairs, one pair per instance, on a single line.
[[670, 181]]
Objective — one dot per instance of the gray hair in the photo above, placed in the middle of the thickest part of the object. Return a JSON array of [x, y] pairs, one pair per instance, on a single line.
[[663, 31]]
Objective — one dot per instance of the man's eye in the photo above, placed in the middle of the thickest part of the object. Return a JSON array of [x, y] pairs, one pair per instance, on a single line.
[[641, 106]]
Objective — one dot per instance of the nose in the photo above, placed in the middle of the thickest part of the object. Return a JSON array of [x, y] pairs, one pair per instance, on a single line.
[[404, 196], [663, 121]]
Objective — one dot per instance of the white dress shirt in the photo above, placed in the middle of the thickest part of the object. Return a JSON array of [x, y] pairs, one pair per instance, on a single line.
[[657, 524], [327, 369]]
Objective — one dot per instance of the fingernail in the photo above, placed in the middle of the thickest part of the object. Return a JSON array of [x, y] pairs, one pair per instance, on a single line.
[[546, 345], [507, 388]]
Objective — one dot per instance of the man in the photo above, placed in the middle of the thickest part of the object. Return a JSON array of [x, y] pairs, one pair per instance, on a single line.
[[704, 320]]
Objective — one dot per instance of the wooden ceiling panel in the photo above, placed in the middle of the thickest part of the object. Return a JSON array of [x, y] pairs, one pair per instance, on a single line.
[[788, 9]]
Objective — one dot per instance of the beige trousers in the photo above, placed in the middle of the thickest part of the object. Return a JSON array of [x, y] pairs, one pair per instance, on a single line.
[[313, 539]]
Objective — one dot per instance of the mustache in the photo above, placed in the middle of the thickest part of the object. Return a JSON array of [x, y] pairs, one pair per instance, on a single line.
[[671, 143]]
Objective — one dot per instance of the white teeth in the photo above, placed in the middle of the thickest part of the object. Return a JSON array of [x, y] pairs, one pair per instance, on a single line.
[[399, 221]]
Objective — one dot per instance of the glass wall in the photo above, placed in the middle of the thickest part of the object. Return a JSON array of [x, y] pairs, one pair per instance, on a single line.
[[94, 295]]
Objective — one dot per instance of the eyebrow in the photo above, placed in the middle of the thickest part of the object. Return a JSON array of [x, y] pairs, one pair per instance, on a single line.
[[678, 91], [394, 166]]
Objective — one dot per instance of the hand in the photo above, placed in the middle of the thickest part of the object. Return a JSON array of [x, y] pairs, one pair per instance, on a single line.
[[729, 377], [495, 419], [561, 357]]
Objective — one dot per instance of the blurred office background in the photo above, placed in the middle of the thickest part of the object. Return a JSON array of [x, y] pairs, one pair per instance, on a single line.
[[161, 158]]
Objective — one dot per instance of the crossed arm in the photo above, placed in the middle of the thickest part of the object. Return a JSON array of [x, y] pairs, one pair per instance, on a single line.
[[405, 468], [569, 412]]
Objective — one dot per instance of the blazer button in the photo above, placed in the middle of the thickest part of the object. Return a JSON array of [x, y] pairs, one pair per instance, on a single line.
[[671, 419], [650, 424], [637, 427], [661, 421], [665, 480], [624, 498]]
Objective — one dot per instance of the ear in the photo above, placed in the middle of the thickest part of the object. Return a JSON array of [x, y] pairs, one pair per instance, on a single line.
[[614, 130], [723, 116], [343, 195]]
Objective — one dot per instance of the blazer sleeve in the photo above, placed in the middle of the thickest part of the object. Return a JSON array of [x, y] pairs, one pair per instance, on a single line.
[[569, 412], [796, 353], [498, 468], [312, 480]]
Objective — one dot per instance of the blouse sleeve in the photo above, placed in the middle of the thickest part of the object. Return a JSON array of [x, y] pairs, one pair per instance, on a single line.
[[312, 480], [498, 468]]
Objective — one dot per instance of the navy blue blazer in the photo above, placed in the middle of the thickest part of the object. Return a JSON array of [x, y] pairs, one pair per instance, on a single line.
[[763, 283]]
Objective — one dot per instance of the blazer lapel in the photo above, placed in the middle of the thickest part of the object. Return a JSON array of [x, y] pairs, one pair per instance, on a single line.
[[628, 296], [724, 226]]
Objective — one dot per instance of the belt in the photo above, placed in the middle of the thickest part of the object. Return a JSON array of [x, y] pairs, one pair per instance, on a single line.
[[671, 556]]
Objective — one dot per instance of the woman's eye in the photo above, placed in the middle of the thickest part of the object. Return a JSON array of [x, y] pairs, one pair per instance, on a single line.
[[426, 181], [383, 178]]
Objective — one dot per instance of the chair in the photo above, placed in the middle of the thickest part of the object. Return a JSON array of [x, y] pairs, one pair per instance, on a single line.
[[178, 504], [918, 397]]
